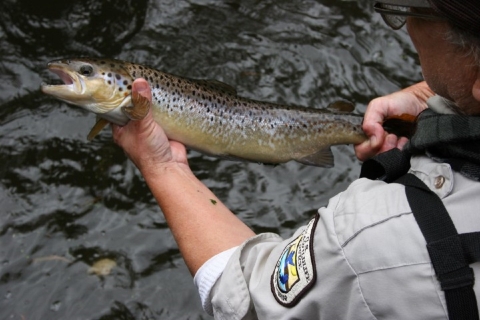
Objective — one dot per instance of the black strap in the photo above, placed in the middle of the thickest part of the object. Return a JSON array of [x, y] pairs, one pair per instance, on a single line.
[[386, 166], [450, 252]]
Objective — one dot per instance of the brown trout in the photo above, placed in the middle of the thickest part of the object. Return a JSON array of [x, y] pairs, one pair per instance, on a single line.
[[207, 116]]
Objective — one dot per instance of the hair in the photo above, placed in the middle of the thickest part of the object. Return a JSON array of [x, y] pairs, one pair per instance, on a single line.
[[464, 19], [465, 41]]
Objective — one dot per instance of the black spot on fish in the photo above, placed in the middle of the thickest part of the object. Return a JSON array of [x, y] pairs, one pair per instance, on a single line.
[[109, 75], [120, 89], [109, 82], [112, 65], [103, 73], [102, 62], [117, 76], [125, 82], [134, 74], [129, 87]]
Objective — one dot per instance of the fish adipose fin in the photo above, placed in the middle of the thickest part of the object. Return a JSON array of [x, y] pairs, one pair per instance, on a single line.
[[323, 158], [140, 108], [342, 106], [99, 125]]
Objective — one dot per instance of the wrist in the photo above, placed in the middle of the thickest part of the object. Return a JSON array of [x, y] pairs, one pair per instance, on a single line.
[[421, 91], [156, 170]]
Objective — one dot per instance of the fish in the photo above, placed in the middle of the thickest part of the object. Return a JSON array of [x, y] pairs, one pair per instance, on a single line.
[[205, 115]]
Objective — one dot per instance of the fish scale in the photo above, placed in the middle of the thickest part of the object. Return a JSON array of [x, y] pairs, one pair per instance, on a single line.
[[209, 116]]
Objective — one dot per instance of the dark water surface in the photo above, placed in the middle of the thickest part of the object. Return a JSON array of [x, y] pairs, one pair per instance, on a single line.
[[67, 203]]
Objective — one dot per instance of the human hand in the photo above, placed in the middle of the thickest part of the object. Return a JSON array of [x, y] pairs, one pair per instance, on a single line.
[[411, 100], [144, 141]]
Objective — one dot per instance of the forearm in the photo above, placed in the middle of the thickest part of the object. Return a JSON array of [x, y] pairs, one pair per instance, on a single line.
[[201, 224]]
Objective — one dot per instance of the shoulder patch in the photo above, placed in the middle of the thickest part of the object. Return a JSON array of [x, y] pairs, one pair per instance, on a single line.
[[295, 270]]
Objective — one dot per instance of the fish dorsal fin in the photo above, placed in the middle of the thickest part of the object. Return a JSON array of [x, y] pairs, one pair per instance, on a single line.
[[342, 106], [322, 158], [99, 125], [217, 85]]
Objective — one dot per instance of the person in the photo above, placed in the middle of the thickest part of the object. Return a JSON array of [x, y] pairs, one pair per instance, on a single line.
[[364, 255]]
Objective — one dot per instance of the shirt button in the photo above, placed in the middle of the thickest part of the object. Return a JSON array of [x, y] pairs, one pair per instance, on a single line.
[[439, 181]]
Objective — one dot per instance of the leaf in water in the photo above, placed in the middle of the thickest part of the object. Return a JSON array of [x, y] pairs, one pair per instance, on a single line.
[[102, 267]]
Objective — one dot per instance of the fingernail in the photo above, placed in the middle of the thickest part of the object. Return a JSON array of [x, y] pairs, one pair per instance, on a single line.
[[140, 85]]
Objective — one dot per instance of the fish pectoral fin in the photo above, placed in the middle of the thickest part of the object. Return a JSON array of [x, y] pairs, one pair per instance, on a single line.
[[99, 125], [322, 158], [140, 107]]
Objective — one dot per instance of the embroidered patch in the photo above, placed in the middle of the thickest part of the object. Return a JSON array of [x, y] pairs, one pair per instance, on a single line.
[[295, 271]]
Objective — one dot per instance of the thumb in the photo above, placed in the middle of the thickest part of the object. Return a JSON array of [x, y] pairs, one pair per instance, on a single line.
[[142, 87]]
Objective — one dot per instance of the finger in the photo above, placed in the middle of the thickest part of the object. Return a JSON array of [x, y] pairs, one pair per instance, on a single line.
[[401, 143]]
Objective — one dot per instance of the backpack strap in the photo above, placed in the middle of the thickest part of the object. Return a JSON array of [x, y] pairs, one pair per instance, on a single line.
[[450, 252], [386, 166]]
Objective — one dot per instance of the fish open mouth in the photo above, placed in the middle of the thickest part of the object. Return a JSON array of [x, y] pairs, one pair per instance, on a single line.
[[66, 79], [64, 85]]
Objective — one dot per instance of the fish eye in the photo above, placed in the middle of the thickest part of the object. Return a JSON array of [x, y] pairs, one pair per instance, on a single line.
[[86, 70]]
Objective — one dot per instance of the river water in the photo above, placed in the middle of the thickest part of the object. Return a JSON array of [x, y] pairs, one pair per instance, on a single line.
[[67, 203]]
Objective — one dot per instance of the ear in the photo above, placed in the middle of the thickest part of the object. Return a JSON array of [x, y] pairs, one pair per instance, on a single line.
[[476, 88]]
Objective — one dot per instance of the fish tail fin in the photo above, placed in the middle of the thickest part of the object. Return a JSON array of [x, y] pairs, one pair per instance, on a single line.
[[403, 125]]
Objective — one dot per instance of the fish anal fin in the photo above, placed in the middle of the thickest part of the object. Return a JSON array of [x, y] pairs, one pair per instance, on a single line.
[[322, 158], [99, 125], [140, 107]]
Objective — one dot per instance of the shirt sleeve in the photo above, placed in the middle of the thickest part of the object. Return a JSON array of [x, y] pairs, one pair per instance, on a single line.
[[208, 274]]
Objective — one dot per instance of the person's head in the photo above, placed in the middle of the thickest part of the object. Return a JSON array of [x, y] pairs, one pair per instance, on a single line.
[[446, 34]]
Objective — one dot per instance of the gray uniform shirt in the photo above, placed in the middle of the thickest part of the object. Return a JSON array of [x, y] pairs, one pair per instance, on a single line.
[[362, 257]]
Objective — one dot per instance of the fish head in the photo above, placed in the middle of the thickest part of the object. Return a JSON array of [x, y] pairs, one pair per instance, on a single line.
[[97, 85]]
